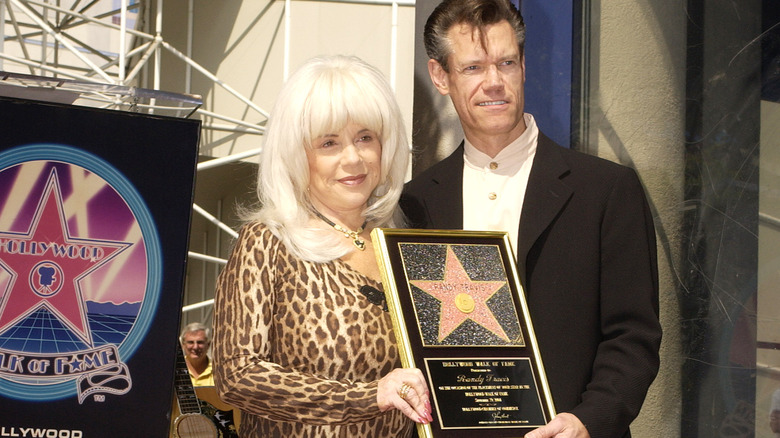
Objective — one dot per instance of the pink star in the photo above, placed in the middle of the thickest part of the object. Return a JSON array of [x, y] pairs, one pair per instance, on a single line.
[[46, 266], [462, 299]]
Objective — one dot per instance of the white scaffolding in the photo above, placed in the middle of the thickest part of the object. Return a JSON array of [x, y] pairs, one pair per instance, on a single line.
[[117, 45]]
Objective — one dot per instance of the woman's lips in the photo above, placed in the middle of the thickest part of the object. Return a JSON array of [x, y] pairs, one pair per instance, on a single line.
[[353, 180]]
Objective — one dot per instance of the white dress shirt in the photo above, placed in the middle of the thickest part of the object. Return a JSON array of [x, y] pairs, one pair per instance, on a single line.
[[494, 188]]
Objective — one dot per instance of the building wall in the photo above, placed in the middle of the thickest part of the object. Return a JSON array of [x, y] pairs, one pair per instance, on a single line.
[[637, 115], [243, 44]]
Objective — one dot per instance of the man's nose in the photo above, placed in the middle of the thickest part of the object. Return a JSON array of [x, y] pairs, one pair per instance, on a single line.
[[493, 77]]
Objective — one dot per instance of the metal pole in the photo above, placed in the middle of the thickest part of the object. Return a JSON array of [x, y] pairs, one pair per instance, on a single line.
[[287, 23], [190, 36], [122, 41], [2, 31], [48, 30], [394, 46]]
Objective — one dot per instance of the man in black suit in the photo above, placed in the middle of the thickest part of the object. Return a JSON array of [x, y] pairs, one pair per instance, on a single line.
[[581, 226]]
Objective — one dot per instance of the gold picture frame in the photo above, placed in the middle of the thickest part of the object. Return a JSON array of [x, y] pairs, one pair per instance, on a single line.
[[460, 315]]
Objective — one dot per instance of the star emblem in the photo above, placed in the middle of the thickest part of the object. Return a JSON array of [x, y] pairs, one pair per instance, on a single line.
[[45, 267], [462, 298]]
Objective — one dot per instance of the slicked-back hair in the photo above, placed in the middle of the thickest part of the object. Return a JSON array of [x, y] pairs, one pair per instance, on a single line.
[[479, 14], [320, 98]]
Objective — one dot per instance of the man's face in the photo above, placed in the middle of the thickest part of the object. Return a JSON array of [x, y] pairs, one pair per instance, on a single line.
[[485, 84], [195, 345]]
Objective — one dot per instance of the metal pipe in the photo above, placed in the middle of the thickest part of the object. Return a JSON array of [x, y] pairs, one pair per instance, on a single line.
[[158, 37], [150, 49], [394, 46], [45, 67], [2, 30], [208, 258], [197, 208], [190, 36], [49, 31], [769, 220], [287, 24], [231, 128], [230, 119], [122, 41], [94, 20], [228, 159], [17, 29], [197, 305], [215, 79]]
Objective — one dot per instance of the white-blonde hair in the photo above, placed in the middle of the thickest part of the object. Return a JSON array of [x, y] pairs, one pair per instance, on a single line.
[[321, 97]]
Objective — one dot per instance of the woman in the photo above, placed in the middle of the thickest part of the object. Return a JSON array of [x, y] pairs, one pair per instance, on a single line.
[[298, 347]]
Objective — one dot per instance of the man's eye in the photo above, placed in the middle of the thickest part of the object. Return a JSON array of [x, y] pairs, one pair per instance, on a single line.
[[509, 65]]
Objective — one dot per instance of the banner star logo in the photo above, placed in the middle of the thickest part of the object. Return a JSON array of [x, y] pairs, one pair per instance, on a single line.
[[462, 298], [45, 266]]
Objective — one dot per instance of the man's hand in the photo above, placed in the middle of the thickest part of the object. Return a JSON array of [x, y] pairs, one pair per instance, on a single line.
[[564, 425]]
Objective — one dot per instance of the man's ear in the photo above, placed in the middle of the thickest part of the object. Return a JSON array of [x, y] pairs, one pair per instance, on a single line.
[[438, 77]]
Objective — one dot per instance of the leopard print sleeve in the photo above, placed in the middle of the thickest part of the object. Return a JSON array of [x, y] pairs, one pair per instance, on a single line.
[[282, 339]]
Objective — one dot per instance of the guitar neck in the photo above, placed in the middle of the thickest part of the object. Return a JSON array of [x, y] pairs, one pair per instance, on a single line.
[[185, 392]]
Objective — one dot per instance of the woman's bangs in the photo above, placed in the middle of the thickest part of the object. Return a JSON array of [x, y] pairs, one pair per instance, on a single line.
[[365, 112]]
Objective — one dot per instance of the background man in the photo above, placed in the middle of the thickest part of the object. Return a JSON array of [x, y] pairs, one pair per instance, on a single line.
[[195, 342], [581, 227]]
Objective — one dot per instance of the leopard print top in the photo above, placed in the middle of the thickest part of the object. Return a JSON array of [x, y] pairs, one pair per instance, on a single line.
[[297, 348]]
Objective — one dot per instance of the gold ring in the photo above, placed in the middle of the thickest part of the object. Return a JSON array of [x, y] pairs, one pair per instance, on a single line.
[[403, 391]]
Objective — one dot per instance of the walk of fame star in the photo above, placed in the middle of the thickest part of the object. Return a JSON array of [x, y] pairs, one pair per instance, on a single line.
[[46, 266], [462, 298]]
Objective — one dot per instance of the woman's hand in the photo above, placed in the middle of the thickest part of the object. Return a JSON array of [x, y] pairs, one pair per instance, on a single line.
[[405, 389]]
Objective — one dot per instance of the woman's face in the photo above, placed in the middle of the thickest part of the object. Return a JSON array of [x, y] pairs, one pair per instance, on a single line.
[[344, 169]]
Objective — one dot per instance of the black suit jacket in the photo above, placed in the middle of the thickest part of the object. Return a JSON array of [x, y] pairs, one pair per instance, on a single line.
[[587, 261]]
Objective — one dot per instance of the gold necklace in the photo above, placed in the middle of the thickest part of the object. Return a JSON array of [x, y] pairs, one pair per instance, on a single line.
[[354, 235]]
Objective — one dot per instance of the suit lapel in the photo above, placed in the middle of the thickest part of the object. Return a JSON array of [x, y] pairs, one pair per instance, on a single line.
[[545, 196], [446, 191]]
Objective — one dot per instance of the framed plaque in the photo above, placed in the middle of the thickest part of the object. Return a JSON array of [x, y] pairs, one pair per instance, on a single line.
[[460, 315]]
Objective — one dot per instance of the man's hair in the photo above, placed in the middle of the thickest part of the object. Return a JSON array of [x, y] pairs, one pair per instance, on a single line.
[[195, 327], [320, 98], [479, 14]]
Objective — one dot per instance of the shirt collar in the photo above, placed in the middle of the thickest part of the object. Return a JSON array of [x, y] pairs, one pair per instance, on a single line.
[[513, 155]]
